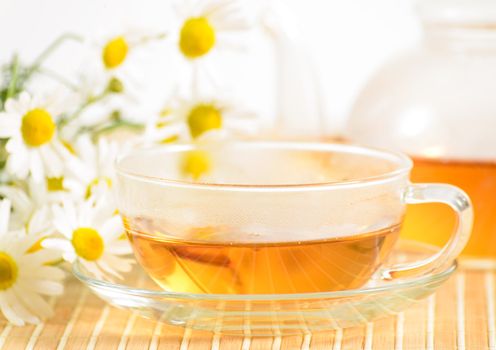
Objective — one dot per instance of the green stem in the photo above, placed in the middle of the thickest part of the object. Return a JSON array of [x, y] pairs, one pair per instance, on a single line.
[[11, 90], [59, 78], [86, 104], [117, 125], [147, 39], [53, 46]]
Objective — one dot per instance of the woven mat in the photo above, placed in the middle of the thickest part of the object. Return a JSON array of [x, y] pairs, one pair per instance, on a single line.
[[460, 316]]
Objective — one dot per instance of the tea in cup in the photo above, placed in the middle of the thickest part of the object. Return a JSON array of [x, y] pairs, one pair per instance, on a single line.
[[274, 217]]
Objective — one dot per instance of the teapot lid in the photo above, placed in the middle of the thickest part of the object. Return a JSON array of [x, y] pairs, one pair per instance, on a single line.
[[457, 11]]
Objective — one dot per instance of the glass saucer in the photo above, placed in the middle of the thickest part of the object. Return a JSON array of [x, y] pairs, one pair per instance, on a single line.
[[272, 314]]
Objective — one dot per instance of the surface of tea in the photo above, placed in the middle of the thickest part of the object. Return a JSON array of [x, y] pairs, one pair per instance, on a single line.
[[251, 267], [433, 223]]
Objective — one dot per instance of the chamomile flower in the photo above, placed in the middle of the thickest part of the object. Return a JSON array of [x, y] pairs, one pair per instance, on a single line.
[[32, 197], [207, 27], [33, 146], [102, 97], [91, 231], [200, 119], [25, 276], [25, 213], [195, 164], [113, 57], [113, 76], [163, 128], [118, 47], [31, 209], [95, 162]]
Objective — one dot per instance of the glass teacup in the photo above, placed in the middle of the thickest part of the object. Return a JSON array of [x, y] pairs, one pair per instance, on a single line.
[[274, 217]]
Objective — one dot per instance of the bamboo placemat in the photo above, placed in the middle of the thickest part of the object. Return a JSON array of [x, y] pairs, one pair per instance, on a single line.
[[460, 316]]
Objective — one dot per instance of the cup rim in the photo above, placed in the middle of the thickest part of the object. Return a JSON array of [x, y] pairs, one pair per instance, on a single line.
[[404, 163]]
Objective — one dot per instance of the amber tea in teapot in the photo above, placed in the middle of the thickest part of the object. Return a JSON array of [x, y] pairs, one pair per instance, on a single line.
[[433, 222]]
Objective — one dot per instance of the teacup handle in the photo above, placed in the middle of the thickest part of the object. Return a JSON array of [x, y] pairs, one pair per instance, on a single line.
[[460, 203]]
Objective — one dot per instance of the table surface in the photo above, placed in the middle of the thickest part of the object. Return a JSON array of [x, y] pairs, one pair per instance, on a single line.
[[460, 316]]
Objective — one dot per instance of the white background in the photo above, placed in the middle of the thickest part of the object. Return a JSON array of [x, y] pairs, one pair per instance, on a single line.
[[349, 38]]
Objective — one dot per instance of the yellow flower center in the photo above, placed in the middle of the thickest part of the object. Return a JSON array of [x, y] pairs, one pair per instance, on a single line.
[[68, 147], [36, 246], [161, 124], [95, 182], [8, 271], [197, 37], [37, 127], [115, 52], [87, 243], [55, 183], [170, 139], [166, 111], [202, 118], [195, 164]]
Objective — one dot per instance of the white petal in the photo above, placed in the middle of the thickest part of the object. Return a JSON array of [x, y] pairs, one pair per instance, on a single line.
[[71, 214], [83, 171], [57, 244], [120, 264], [15, 144], [46, 287], [86, 213], [106, 267], [93, 269], [86, 149], [36, 166], [62, 227], [5, 206], [7, 241], [36, 304], [112, 229], [8, 312], [61, 151], [9, 125], [26, 242], [62, 222], [13, 106], [42, 256], [51, 162], [104, 208], [40, 221], [25, 99], [76, 189], [120, 247], [18, 162], [45, 272], [17, 307], [20, 200], [69, 256]]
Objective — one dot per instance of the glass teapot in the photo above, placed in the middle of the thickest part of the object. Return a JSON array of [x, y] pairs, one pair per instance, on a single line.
[[437, 103]]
